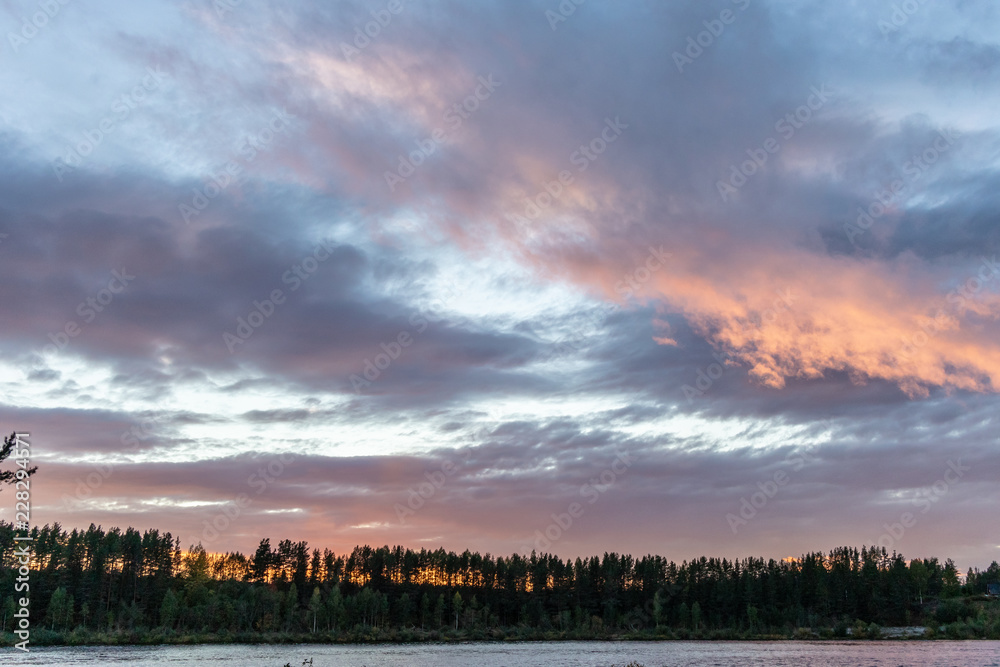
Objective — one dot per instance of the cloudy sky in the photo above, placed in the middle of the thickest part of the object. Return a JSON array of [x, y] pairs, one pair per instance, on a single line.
[[685, 278]]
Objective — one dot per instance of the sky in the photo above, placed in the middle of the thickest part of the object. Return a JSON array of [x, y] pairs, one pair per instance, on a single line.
[[686, 278]]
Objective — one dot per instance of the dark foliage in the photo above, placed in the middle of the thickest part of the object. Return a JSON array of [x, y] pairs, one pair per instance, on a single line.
[[132, 583]]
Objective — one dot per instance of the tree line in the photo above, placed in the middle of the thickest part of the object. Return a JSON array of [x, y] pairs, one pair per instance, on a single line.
[[142, 585]]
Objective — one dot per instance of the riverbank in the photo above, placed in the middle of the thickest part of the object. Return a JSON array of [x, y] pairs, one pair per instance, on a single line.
[[533, 654], [81, 637]]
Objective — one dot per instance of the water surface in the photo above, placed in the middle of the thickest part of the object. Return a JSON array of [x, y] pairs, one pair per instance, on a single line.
[[531, 654]]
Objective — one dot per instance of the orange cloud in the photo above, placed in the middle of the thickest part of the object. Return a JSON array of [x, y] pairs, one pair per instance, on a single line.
[[796, 314]]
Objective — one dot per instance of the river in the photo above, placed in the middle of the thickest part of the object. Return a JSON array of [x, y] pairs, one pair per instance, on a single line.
[[530, 654]]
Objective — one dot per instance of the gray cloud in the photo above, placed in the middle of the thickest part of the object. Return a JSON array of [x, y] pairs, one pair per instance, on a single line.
[[527, 381]]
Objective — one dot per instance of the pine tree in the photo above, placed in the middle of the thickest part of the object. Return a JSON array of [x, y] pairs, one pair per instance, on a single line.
[[169, 610], [335, 608], [456, 607], [69, 612], [315, 604], [22, 472], [660, 608], [9, 609], [425, 610], [290, 608], [439, 612], [57, 608], [404, 609]]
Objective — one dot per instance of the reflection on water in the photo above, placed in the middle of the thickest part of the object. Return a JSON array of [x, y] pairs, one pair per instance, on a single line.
[[529, 654]]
